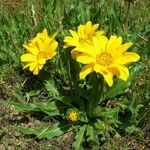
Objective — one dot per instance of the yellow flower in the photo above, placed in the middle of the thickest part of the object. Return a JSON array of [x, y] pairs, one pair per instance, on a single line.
[[72, 116], [39, 50], [105, 56], [85, 32]]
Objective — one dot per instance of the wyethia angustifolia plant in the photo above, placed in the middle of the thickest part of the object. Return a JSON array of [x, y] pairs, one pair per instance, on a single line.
[[93, 69]]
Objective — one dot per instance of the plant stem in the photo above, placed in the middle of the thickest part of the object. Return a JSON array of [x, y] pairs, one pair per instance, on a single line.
[[96, 94]]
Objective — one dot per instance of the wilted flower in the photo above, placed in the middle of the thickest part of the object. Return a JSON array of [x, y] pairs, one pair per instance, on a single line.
[[39, 50], [105, 56]]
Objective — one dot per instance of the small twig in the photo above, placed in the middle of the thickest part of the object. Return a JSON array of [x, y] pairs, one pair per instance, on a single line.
[[127, 15], [146, 146], [143, 38], [33, 15], [2, 135]]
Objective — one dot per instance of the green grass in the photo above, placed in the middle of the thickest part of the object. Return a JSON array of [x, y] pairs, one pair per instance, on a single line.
[[22, 19]]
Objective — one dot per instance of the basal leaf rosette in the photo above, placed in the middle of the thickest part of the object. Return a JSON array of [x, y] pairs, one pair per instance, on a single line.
[[39, 50], [84, 32], [108, 57]]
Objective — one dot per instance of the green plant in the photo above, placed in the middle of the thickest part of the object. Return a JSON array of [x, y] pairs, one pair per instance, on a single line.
[[100, 110], [83, 107]]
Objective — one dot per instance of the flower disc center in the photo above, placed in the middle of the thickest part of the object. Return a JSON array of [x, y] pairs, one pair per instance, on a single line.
[[104, 59], [43, 54]]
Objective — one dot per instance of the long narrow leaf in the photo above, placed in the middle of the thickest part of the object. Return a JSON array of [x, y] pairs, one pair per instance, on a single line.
[[51, 108], [55, 130], [51, 88], [92, 134], [79, 138]]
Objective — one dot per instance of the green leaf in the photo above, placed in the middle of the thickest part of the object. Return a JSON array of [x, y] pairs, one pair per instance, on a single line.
[[132, 129], [55, 130], [92, 134], [3, 56], [103, 126], [51, 88], [105, 129], [70, 18], [83, 116], [109, 115], [25, 106], [121, 85], [79, 138], [13, 56], [53, 108]]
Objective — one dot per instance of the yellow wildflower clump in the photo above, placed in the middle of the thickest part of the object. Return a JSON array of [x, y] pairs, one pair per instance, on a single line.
[[105, 56], [39, 50]]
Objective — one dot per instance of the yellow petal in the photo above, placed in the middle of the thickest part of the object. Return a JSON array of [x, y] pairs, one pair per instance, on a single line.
[[99, 33], [66, 46], [120, 50], [88, 28], [127, 57], [108, 76], [33, 66], [85, 48], [124, 73], [88, 24], [31, 49], [43, 34], [53, 46], [47, 41], [87, 69], [52, 55], [42, 61], [75, 53], [36, 70], [121, 71], [74, 34], [71, 41], [81, 31], [100, 44], [40, 44], [85, 59], [28, 58], [113, 43], [114, 70], [40, 67], [95, 26], [54, 35], [27, 65], [96, 45]]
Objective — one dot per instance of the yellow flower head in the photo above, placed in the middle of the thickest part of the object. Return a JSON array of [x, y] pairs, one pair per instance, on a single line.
[[105, 56], [39, 50], [85, 32], [72, 116]]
